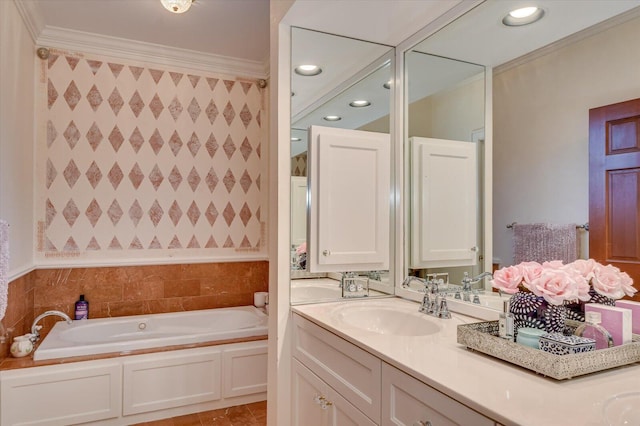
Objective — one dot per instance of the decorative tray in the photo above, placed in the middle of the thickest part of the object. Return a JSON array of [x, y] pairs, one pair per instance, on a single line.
[[483, 337]]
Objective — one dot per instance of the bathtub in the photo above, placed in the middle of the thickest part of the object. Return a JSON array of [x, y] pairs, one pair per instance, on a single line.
[[125, 334]]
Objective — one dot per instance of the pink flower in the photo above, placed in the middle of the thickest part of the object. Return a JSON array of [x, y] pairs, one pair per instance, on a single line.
[[553, 264], [581, 283], [608, 281], [556, 286], [627, 284], [507, 279], [530, 271], [585, 267], [302, 248]]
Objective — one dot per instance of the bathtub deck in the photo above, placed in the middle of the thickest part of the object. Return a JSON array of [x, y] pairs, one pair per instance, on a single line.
[[242, 415]]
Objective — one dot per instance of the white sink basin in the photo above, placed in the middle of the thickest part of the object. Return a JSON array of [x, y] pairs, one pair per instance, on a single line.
[[622, 409], [386, 320]]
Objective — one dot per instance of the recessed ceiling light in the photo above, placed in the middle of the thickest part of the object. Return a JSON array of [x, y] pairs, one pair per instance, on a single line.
[[308, 70], [177, 6], [387, 85], [332, 118], [523, 16], [295, 139], [360, 103]]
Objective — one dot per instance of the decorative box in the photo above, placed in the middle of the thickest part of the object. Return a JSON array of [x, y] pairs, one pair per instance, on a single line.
[[559, 344]]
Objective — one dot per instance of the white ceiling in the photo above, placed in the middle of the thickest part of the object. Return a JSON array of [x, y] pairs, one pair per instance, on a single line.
[[229, 28]]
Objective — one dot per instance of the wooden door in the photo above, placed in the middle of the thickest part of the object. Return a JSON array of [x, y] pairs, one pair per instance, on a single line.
[[614, 186]]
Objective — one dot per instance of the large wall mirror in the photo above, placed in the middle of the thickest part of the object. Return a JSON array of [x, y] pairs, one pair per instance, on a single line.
[[349, 90], [542, 80]]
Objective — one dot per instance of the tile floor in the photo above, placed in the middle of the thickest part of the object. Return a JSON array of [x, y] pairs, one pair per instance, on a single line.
[[254, 414]]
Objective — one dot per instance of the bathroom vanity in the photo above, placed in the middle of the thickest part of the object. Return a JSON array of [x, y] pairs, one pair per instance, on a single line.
[[412, 372]]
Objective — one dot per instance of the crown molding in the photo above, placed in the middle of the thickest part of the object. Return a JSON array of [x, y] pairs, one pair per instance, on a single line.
[[564, 42], [73, 40], [31, 16]]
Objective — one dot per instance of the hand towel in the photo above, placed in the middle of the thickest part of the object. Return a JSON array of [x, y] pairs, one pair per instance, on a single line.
[[542, 242], [4, 266]]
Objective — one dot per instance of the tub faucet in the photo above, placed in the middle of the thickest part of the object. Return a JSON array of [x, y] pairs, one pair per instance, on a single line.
[[35, 328]]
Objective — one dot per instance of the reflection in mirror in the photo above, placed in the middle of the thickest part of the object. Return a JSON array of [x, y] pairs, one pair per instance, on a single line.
[[444, 156], [351, 71]]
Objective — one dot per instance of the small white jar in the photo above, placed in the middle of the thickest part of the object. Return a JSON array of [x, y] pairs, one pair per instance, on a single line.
[[21, 346]]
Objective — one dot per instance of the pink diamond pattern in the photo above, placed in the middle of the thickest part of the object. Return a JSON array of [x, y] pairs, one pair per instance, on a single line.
[[136, 176], [258, 119], [211, 180], [71, 173], [135, 212], [175, 108], [193, 243], [211, 243], [115, 101], [136, 140], [156, 106], [228, 243], [245, 149], [93, 212], [94, 66], [212, 82], [229, 180], [156, 213], [93, 174], [176, 77], [135, 244], [49, 246], [52, 133], [194, 144], [52, 60], [193, 179], [50, 213], [258, 182], [194, 79], [72, 95], [175, 143], [136, 71], [156, 75], [70, 245], [258, 214], [94, 136], [73, 62], [116, 138], [229, 147], [175, 243], [194, 110], [228, 113], [156, 141], [211, 214], [51, 173], [155, 244], [193, 213], [245, 116], [258, 150], [136, 103], [211, 145], [175, 213], [229, 214], [245, 243], [175, 178], [211, 111], [52, 94], [115, 69], [71, 212], [72, 135], [246, 86], [94, 97], [245, 181], [93, 244], [156, 177], [115, 244], [115, 175], [229, 85], [245, 214]]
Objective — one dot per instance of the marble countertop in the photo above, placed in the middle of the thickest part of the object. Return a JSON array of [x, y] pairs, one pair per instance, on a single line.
[[506, 393]]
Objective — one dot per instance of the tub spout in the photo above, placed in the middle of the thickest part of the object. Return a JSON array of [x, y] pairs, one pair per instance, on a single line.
[[35, 328]]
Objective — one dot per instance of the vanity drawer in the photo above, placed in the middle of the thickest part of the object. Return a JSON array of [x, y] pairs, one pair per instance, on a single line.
[[351, 371], [407, 401]]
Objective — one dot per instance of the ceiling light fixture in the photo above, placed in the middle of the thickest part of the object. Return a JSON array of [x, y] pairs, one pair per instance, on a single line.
[[523, 16], [308, 70], [359, 103], [332, 118], [177, 6]]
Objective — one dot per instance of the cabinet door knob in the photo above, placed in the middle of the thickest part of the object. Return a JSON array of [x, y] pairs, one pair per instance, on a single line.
[[474, 248], [326, 253]]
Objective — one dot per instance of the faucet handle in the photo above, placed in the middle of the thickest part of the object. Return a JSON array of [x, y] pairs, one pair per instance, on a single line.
[[443, 309]]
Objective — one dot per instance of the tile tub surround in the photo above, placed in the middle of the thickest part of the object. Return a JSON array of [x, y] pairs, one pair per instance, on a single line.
[[503, 392], [132, 290]]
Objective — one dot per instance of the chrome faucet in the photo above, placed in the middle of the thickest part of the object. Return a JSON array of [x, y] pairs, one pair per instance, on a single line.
[[35, 328], [467, 282], [434, 302]]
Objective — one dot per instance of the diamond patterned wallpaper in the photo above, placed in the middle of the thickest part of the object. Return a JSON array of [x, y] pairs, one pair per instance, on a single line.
[[143, 161]]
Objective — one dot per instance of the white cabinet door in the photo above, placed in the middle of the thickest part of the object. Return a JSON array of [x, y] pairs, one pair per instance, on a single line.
[[444, 203], [307, 391], [244, 370], [407, 401], [349, 184], [298, 210]]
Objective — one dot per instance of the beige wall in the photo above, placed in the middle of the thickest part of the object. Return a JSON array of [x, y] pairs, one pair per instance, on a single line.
[[541, 129], [16, 136]]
